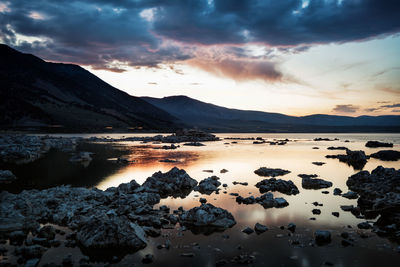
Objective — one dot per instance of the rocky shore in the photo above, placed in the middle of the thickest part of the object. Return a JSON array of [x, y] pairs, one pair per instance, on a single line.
[[119, 217]]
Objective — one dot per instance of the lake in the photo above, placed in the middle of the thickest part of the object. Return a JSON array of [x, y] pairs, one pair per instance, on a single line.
[[275, 247]]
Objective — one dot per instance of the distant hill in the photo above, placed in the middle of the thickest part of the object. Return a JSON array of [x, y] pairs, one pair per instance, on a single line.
[[216, 118], [35, 93]]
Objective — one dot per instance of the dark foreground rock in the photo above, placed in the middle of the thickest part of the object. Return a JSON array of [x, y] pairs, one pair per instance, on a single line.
[[357, 159], [176, 183], [263, 171], [386, 155], [208, 185], [322, 237], [379, 193], [378, 144], [207, 219], [282, 186]]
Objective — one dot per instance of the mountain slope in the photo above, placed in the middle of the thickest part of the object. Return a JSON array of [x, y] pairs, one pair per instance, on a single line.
[[38, 93], [204, 115]]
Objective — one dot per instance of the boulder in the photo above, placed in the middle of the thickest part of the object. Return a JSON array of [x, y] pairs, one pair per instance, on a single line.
[[386, 155], [208, 185], [314, 183], [7, 177], [322, 237], [263, 171], [282, 186], [378, 144]]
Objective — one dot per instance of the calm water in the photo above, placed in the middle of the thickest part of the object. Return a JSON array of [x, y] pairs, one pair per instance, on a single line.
[[241, 159]]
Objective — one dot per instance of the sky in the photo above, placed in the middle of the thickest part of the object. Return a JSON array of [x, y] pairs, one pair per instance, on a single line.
[[296, 57]]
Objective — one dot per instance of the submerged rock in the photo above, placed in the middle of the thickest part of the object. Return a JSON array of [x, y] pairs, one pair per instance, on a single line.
[[350, 195], [193, 144], [207, 219], [176, 183], [263, 171], [378, 144], [314, 183], [208, 185], [386, 155], [282, 186], [7, 177]]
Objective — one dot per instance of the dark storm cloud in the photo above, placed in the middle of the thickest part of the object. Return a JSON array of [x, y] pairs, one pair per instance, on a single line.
[[345, 108], [114, 34]]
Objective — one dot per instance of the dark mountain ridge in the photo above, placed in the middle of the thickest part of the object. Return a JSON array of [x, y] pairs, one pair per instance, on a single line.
[[38, 93], [217, 118]]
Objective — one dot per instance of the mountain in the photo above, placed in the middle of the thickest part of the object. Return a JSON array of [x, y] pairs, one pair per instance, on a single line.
[[39, 94], [215, 118]]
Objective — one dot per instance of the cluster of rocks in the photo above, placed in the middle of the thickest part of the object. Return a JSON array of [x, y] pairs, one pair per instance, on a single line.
[[379, 193], [208, 185], [266, 200], [25, 148], [282, 186], [357, 159], [119, 217], [264, 171], [180, 136]]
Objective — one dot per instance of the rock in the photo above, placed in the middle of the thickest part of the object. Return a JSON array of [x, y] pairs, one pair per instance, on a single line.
[[17, 237], [248, 230], [263, 171], [148, 258], [194, 144], [314, 183], [241, 183], [325, 192], [315, 147], [48, 232], [32, 262], [364, 225], [386, 155], [350, 195], [67, 261], [225, 185], [282, 186], [203, 200], [223, 171], [208, 217], [30, 252], [324, 139], [337, 191], [378, 144], [106, 232], [267, 200], [7, 177], [208, 185], [176, 183], [322, 237], [335, 213], [316, 211], [337, 148], [318, 163], [315, 203], [210, 171], [356, 159], [307, 175], [291, 227], [259, 228]]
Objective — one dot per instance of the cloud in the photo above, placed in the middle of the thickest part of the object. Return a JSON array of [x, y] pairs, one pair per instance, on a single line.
[[391, 106], [145, 33], [345, 108], [239, 69]]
